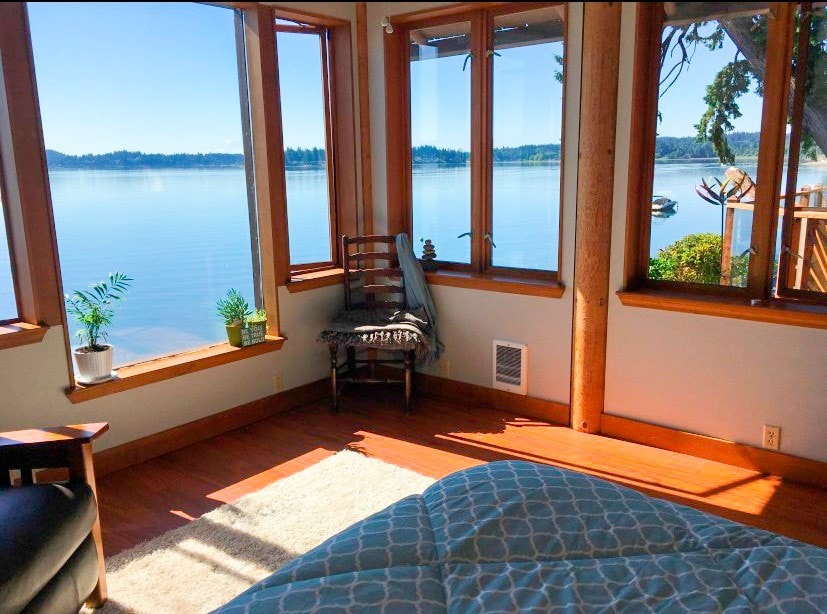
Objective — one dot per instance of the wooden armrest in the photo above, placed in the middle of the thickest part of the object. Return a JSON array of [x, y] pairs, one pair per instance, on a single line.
[[55, 436]]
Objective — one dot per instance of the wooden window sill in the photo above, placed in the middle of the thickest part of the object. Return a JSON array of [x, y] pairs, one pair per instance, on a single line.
[[20, 333], [299, 282], [727, 307], [497, 283], [152, 371]]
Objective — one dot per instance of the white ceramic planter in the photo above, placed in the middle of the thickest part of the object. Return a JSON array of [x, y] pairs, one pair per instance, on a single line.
[[92, 366]]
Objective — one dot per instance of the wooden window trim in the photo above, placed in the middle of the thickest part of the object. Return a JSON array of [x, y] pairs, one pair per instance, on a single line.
[[161, 369], [493, 282], [728, 301], [28, 215], [774, 312], [397, 115], [337, 68], [300, 282], [14, 334]]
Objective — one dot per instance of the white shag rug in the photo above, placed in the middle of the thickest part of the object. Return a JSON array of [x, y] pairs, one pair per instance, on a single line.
[[204, 564]]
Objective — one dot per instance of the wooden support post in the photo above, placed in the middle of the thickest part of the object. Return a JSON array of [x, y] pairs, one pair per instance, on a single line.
[[593, 238]]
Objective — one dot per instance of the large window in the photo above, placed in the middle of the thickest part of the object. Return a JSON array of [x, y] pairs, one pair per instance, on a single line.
[[712, 210], [8, 300], [527, 137], [802, 246], [441, 138], [706, 152], [485, 96], [303, 53], [143, 128]]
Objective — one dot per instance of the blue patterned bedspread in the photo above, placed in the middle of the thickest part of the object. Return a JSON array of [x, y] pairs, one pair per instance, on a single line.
[[522, 537]]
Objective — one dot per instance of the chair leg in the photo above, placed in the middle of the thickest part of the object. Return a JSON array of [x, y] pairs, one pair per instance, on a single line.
[[409, 372], [351, 362], [334, 388]]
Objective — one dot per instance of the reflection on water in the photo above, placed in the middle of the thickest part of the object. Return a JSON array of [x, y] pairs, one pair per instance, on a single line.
[[183, 235], [677, 180]]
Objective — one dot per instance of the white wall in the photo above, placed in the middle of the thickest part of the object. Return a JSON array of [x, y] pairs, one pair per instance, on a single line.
[[471, 319], [715, 376], [34, 379]]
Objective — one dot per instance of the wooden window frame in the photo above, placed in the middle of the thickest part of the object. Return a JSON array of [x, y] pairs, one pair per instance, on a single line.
[[340, 135], [639, 290], [26, 202], [480, 272], [783, 291]]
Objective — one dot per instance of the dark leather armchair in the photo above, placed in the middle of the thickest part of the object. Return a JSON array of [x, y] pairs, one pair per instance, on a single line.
[[51, 555]]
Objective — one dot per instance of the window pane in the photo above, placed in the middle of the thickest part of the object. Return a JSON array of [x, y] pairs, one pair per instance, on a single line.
[[709, 119], [301, 84], [807, 268], [8, 302], [441, 138], [528, 111], [142, 121]]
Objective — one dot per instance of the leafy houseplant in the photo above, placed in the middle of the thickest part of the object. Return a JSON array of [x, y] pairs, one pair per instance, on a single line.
[[234, 310], [94, 309]]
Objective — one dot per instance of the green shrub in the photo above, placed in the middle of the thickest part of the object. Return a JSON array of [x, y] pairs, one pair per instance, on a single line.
[[696, 258]]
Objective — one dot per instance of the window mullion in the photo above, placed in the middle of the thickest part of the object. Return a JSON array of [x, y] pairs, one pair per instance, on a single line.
[[249, 168], [480, 142], [771, 150], [330, 154]]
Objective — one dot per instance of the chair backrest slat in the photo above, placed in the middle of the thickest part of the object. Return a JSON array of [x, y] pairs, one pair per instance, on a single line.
[[364, 277]]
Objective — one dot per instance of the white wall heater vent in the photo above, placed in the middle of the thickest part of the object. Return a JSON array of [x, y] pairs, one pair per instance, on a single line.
[[510, 366]]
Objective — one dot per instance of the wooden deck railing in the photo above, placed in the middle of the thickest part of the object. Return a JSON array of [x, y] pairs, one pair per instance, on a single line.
[[808, 244]]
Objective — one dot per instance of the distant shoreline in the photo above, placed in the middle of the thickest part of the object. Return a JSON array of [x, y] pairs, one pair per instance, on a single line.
[[668, 149]]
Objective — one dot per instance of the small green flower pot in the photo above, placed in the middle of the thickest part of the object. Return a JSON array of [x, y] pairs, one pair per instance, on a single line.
[[234, 335]]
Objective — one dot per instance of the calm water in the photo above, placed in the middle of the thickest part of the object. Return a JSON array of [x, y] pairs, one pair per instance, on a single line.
[[184, 234]]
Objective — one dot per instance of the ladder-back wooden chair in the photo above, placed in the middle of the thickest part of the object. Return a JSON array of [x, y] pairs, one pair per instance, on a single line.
[[373, 281]]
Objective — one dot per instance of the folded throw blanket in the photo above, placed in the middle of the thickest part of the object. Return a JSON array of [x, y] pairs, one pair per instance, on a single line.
[[417, 293]]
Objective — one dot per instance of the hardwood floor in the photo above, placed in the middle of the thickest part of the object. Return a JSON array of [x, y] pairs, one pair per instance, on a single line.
[[149, 499]]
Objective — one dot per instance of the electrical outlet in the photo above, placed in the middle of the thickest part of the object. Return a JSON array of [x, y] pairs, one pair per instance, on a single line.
[[278, 384], [772, 437], [445, 368]]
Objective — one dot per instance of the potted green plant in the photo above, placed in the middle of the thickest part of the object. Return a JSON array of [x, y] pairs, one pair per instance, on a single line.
[[94, 310], [256, 328], [234, 310]]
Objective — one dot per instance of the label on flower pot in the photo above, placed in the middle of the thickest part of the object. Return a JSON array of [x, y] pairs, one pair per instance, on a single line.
[[253, 334]]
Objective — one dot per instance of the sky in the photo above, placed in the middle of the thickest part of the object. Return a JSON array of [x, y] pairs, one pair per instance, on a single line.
[[151, 77], [162, 78], [682, 106], [530, 99], [527, 99]]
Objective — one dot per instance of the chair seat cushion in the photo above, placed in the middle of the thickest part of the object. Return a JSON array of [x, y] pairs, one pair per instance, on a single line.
[[41, 527], [380, 329]]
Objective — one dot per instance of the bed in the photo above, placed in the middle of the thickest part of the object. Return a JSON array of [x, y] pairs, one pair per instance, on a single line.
[[514, 536]]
